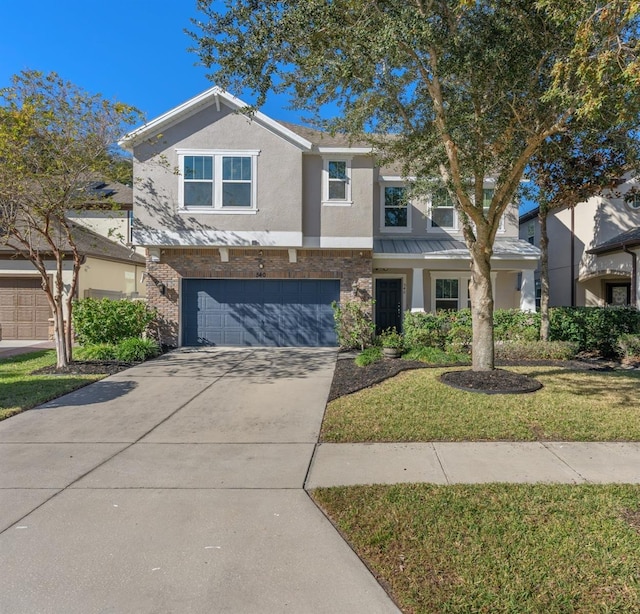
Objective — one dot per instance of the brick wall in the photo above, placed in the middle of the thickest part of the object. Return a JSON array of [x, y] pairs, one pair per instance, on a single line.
[[349, 266]]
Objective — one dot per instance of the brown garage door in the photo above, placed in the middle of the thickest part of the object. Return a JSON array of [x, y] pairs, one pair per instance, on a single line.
[[24, 310]]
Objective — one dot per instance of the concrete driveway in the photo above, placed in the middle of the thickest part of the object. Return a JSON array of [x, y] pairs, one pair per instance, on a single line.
[[177, 486]]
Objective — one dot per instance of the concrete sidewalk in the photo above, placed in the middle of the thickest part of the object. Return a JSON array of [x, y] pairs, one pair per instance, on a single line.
[[177, 487], [471, 463]]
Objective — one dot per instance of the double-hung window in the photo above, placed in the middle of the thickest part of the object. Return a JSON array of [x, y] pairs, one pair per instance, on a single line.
[[395, 209], [443, 213], [450, 293], [337, 181], [218, 181]]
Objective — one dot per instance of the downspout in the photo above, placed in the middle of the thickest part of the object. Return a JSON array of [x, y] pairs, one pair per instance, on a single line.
[[634, 275], [573, 258]]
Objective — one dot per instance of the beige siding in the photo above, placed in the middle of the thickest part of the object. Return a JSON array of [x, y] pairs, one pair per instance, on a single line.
[[116, 277]]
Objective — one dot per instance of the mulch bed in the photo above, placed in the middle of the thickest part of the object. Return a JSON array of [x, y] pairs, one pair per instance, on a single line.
[[87, 367], [349, 377]]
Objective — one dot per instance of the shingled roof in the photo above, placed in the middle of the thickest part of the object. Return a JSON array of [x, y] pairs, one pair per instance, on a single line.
[[89, 244], [630, 238]]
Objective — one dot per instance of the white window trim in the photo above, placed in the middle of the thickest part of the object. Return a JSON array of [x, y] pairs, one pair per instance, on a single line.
[[463, 282], [441, 229], [218, 155], [393, 229], [326, 202]]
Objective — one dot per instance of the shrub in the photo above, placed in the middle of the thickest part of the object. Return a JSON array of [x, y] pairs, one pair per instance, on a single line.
[[424, 329], [391, 338], [535, 350], [369, 356], [593, 329], [354, 324], [516, 325], [436, 356], [96, 351], [629, 346], [109, 321], [136, 349]]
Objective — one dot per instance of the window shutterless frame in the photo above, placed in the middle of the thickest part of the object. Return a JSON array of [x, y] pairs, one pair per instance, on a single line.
[[336, 181], [218, 181]]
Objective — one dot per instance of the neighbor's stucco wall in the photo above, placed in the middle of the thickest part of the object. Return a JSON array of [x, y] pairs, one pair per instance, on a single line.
[[97, 274]]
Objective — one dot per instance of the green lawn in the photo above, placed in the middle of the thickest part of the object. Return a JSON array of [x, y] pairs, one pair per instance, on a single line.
[[497, 547], [416, 406], [20, 389]]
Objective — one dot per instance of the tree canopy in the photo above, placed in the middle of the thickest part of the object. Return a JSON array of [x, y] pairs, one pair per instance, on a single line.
[[468, 89], [55, 139]]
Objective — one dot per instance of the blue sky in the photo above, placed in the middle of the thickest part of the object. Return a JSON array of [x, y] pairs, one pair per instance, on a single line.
[[134, 51]]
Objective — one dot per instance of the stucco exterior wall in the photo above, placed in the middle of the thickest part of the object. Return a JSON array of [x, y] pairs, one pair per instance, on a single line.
[[116, 277], [160, 221]]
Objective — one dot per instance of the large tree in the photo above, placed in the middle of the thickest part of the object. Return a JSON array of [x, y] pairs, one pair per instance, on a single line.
[[574, 166], [55, 139], [468, 89]]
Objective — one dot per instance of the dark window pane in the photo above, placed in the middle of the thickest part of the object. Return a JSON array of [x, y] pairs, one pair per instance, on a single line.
[[442, 217], [394, 197], [447, 288], [449, 305], [337, 169], [487, 197], [198, 194], [337, 190], [441, 198], [236, 195], [198, 167], [236, 168], [395, 217]]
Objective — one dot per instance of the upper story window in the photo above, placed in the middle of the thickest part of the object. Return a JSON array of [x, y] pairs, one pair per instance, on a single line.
[[443, 213], [395, 209], [218, 181], [337, 181], [487, 197], [531, 232]]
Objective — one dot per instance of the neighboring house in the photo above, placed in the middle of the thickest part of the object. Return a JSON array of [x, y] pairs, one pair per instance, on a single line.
[[253, 227], [593, 249], [109, 268]]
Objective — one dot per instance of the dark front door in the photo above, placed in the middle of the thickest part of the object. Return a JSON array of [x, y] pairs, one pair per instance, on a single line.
[[388, 304]]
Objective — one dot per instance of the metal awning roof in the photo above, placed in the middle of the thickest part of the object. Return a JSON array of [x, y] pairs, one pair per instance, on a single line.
[[507, 247]]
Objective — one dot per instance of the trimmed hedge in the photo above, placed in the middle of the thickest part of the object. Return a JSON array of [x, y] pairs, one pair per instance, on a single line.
[[586, 329], [593, 329]]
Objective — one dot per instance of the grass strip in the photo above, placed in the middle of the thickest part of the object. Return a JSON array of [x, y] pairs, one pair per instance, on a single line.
[[21, 389], [497, 547], [417, 406]]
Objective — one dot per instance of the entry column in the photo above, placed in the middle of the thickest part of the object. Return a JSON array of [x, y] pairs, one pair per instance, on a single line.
[[417, 292]]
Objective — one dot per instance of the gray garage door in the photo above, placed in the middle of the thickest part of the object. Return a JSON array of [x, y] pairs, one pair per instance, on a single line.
[[258, 312]]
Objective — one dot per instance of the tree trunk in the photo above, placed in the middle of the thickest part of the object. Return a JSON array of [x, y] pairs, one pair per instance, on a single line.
[[544, 275], [59, 335], [481, 293]]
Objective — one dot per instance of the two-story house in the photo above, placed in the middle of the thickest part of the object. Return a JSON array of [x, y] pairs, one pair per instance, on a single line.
[[593, 249], [253, 227]]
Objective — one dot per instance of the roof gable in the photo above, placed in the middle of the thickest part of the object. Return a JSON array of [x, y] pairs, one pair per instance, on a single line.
[[214, 96]]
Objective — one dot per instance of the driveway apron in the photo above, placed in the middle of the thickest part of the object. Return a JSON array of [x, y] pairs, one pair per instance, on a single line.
[[177, 486]]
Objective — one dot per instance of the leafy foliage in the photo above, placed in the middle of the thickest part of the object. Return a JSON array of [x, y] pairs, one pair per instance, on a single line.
[[110, 321], [629, 346], [368, 356], [454, 91], [55, 139], [353, 323], [96, 351], [536, 350], [136, 349], [593, 329]]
